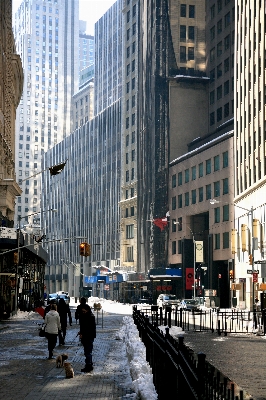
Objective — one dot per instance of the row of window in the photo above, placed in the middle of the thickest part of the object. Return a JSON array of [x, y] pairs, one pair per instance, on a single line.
[[132, 174], [221, 90], [130, 212], [133, 49], [191, 174], [219, 27], [187, 10], [217, 243], [191, 197], [132, 156], [133, 120], [134, 11], [133, 137], [222, 68], [134, 30], [221, 47], [221, 112], [186, 54], [219, 6], [187, 33], [129, 193]]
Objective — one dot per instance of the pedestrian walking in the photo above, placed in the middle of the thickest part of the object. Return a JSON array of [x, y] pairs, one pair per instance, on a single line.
[[64, 312], [87, 334], [52, 321], [78, 310]]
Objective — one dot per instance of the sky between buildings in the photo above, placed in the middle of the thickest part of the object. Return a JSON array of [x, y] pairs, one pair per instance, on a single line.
[[89, 10]]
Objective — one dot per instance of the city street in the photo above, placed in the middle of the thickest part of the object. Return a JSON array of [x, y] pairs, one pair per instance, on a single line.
[[25, 371]]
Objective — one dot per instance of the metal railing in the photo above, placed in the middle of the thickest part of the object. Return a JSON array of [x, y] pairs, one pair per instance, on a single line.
[[222, 321], [177, 369]]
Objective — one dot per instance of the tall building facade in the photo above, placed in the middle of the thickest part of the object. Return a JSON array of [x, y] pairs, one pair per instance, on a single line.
[[86, 47], [130, 73], [46, 34], [250, 164], [220, 50], [87, 193]]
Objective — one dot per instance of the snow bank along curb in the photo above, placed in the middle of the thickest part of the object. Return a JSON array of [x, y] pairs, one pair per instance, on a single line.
[[140, 370]]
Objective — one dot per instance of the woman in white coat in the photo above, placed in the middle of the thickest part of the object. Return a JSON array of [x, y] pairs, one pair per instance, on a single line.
[[52, 321]]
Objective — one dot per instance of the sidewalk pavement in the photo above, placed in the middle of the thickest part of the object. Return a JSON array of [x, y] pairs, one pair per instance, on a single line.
[[26, 373], [241, 357]]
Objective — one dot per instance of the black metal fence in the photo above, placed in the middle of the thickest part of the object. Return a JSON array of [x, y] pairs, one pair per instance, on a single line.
[[178, 370], [222, 321]]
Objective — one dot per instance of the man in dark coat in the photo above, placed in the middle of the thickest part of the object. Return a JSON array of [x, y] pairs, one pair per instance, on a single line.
[[64, 312], [87, 334]]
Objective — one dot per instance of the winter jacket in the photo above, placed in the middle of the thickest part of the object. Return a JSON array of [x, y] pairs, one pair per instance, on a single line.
[[64, 312], [52, 321], [87, 325]]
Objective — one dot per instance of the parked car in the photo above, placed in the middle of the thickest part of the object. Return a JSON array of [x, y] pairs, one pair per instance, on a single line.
[[64, 297], [52, 296], [190, 304], [167, 300]]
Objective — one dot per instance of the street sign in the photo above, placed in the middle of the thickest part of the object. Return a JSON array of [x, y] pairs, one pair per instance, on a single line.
[[254, 271]]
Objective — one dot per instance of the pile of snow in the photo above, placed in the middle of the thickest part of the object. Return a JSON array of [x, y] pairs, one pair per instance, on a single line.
[[140, 370]]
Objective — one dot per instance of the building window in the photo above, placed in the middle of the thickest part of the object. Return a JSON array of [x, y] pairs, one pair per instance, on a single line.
[[126, 158], [133, 155], [219, 49], [174, 181], [179, 178], [225, 159], [226, 212], [127, 140], [173, 225], [226, 88], [191, 33], [219, 92], [226, 110], [208, 192], [227, 42], [226, 65], [174, 247], [217, 241], [212, 54], [183, 10], [183, 33], [226, 240], [174, 203], [208, 166], [132, 173], [212, 33], [227, 19], [191, 53], [216, 163], [132, 192], [219, 114], [217, 215], [212, 97], [193, 173], [186, 199], [179, 201], [216, 186], [213, 11], [200, 170], [200, 194], [191, 12], [183, 54], [186, 175], [132, 211], [193, 196], [225, 186], [130, 231], [130, 254], [219, 70], [127, 176], [179, 224]]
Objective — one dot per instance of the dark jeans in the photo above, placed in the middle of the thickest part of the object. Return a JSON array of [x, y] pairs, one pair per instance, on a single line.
[[88, 346], [52, 339]]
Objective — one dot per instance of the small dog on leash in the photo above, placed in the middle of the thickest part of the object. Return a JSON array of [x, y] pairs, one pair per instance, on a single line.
[[60, 360], [69, 370]]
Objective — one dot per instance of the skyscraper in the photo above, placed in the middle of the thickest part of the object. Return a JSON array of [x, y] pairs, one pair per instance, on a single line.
[[46, 34]]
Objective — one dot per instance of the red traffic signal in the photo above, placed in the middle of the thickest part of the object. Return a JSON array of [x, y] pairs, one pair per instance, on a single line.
[[82, 249], [231, 274]]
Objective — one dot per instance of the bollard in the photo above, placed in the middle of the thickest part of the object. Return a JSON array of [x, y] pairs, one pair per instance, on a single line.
[[219, 330]]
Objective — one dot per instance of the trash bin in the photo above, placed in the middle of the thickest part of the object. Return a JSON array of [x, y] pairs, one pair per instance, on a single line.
[[234, 301]]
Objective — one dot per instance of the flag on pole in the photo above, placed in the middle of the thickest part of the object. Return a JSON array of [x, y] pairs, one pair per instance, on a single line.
[[161, 222]]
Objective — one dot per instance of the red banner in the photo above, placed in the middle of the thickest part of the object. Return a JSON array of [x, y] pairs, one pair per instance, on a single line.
[[189, 278]]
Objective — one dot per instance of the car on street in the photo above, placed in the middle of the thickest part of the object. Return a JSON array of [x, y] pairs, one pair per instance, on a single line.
[[64, 297], [189, 304], [169, 300]]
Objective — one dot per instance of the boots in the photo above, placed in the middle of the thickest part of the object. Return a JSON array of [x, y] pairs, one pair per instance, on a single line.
[[50, 354], [88, 368]]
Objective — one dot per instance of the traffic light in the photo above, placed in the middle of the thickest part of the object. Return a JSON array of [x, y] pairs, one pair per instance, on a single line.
[[231, 274], [82, 249], [87, 249], [16, 258], [250, 258]]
